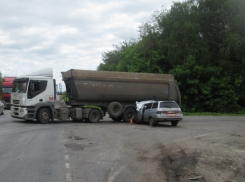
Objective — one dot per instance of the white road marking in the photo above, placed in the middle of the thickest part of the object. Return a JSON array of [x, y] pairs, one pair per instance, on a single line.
[[67, 166], [68, 177]]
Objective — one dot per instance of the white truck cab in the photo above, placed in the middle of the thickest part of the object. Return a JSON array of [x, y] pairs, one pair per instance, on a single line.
[[31, 92]]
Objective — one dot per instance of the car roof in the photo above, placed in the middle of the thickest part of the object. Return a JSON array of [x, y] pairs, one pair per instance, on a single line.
[[141, 103]]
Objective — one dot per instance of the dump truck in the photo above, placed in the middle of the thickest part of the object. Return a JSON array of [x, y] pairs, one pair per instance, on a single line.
[[90, 94]]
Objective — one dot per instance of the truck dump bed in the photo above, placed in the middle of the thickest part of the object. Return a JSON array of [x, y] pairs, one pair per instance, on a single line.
[[107, 86]]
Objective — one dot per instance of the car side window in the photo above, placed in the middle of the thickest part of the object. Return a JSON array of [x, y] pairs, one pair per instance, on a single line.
[[155, 105], [148, 106]]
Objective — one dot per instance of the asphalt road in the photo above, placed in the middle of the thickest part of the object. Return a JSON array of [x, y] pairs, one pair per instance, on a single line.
[[105, 151]]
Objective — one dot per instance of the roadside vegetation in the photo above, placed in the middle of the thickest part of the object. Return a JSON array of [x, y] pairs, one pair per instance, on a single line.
[[200, 42], [242, 113]]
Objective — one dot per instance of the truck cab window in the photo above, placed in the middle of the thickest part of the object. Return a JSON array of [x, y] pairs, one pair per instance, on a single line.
[[19, 87], [36, 87]]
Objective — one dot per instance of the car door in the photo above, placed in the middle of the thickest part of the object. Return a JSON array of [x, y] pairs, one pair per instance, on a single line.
[[140, 113], [153, 110], [147, 111]]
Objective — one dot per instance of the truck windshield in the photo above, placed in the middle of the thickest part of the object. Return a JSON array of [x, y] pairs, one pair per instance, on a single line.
[[6, 90], [19, 87]]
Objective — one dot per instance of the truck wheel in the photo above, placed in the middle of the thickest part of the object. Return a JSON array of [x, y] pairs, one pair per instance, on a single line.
[[152, 122], [115, 109], [43, 116], [129, 114], [174, 123], [94, 116]]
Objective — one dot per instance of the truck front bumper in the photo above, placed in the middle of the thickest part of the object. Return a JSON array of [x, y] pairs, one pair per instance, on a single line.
[[20, 113]]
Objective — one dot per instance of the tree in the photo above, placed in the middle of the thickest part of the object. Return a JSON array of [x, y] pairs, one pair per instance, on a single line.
[[202, 43]]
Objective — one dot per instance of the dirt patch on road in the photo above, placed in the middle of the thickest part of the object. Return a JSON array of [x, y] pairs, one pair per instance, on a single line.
[[214, 157]]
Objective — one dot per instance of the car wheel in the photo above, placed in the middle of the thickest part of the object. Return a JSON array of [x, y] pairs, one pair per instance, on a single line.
[[152, 122], [43, 116], [174, 123], [94, 116]]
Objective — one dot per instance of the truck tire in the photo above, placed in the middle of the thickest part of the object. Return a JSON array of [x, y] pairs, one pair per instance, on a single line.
[[94, 115], [115, 109], [129, 114], [174, 123], [43, 116]]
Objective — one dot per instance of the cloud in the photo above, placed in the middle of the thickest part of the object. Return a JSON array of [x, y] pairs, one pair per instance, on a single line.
[[66, 34]]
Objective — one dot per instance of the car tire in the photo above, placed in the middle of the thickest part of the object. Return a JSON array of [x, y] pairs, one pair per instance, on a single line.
[[174, 123], [94, 116], [152, 122], [43, 116], [115, 109]]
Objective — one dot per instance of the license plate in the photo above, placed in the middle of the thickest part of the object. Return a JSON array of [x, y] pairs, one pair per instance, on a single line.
[[171, 115], [15, 111]]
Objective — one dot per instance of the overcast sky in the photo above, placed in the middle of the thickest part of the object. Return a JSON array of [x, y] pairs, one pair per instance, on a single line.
[[67, 34]]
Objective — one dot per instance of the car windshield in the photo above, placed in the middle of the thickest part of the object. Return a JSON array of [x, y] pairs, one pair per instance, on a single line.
[[169, 105], [19, 87], [6, 90]]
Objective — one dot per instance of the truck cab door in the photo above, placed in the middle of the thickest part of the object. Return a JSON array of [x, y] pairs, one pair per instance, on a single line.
[[35, 90]]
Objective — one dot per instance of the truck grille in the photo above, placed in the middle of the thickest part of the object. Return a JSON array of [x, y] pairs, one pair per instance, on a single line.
[[16, 102]]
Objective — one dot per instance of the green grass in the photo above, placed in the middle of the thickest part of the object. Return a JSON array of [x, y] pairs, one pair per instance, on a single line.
[[212, 114]]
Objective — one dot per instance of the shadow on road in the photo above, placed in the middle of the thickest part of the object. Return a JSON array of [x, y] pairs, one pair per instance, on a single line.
[[101, 122]]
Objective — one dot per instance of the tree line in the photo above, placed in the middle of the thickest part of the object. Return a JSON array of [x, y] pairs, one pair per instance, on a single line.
[[200, 42]]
